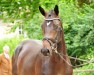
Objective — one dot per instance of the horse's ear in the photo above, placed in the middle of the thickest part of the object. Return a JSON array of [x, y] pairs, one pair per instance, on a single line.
[[56, 9], [42, 11]]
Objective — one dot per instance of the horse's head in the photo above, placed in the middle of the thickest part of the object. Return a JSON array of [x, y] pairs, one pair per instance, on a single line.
[[52, 28]]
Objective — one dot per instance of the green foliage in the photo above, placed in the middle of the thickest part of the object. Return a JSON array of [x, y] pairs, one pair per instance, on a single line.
[[89, 67], [11, 42], [18, 9], [33, 27], [81, 31]]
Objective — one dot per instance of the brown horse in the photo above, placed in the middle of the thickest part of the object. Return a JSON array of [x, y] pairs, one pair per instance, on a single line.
[[35, 57]]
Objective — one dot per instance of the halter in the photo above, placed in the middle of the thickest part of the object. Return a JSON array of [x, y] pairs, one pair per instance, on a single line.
[[52, 19], [54, 44]]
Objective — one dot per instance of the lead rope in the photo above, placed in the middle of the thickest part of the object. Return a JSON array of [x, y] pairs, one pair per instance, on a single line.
[[73, 58], [61, 55]]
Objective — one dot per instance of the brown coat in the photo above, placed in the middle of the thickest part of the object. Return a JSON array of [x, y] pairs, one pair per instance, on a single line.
[[5, 65]]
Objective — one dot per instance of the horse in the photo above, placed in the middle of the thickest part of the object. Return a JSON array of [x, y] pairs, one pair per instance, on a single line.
[[43, 57]]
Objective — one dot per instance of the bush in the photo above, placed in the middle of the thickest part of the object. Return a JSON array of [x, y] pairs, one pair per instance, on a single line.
[[11, 42]]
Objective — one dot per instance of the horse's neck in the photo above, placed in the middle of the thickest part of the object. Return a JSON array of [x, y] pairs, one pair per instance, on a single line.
[[61, 47], [56, 60]]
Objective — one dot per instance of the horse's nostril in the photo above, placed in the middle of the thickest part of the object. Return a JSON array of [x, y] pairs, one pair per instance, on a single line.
[[45, 51], [48, 51]]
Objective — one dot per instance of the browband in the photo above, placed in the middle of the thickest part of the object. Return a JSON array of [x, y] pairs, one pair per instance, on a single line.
[[52, 19]]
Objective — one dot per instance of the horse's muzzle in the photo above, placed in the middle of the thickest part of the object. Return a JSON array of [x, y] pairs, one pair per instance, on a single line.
[[45, 51]]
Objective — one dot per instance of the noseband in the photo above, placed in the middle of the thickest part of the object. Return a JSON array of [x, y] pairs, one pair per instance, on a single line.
[[54, 44]]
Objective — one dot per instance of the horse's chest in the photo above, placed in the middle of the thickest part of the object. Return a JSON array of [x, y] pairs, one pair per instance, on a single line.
[[50, 69], [45, 67]]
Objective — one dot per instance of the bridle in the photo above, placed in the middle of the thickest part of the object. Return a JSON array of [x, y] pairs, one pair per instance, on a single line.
[[59, 30], [54, 44]]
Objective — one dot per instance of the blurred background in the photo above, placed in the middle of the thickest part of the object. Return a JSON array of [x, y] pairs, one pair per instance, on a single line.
[[21, 20]]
